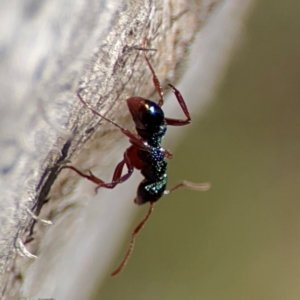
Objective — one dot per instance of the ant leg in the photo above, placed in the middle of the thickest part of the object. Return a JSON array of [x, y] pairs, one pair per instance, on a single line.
[[156, 82], [143, 48], [90, 177], [191, 185], [178, 122], [117, 178], [135, 140], [154, 77], [124, 130], [167, 154], [174, 122], [131, 245]]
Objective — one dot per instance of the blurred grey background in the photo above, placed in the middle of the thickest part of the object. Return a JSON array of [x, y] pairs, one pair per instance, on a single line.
[[241, 239]]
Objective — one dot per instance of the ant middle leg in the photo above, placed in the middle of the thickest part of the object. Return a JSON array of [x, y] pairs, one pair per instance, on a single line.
[[117, 177]]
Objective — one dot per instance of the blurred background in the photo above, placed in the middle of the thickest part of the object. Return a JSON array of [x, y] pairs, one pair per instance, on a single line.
[[241, 239]]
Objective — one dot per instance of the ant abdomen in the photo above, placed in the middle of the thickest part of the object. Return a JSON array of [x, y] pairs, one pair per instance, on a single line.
[[150, 191]]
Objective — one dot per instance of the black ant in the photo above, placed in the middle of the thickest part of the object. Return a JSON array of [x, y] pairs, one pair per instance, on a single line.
[[145, 153]]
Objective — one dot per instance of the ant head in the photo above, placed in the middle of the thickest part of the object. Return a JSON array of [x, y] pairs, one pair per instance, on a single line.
[[146, 114]]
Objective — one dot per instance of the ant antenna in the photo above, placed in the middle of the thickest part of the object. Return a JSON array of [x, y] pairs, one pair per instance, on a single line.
[[131, 245]]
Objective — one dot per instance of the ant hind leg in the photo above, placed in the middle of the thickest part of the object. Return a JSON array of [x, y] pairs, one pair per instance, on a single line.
[[131, 244], [191, 185]]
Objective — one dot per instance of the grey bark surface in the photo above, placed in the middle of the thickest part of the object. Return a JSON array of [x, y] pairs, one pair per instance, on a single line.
[[50, 50]]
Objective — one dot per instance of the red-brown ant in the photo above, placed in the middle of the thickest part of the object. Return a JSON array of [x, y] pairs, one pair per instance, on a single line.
[[145, 153]]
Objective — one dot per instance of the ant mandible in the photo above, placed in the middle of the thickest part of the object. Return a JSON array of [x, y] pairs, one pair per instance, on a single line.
[[145, 153]]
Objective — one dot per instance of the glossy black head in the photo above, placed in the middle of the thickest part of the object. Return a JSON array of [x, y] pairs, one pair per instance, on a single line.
[[147, 115]]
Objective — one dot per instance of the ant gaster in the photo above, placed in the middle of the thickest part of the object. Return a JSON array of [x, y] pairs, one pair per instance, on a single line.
[[145, 153]]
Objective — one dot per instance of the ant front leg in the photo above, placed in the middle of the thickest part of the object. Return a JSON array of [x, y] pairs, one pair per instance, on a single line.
[[134, 139], [172, 122], [178, 122], [156, 82]]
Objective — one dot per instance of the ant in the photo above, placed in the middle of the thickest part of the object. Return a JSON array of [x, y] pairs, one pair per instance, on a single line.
[[145, 153]]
